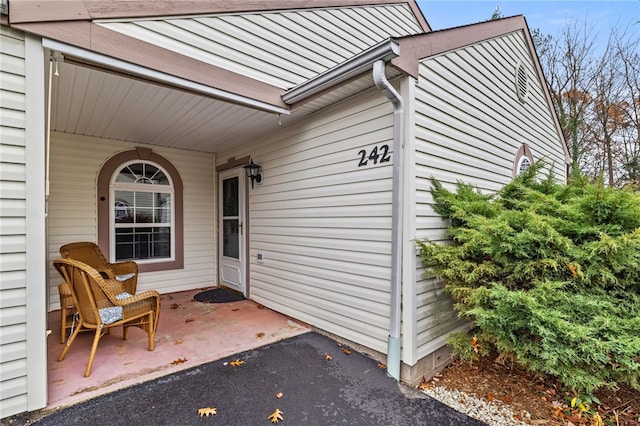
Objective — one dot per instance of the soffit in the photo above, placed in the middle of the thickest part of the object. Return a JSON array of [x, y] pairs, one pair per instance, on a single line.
[[91, 102]]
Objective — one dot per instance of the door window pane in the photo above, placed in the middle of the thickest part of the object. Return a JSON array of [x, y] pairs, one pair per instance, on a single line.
[[230, 197], [230, 238]]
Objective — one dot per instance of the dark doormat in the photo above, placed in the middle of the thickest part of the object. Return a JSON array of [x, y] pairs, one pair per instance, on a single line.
[[218, 295]]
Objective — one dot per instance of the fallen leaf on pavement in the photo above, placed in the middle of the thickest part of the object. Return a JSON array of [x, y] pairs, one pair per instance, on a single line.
[[178, 361], [327, 356], [178, 341], [382, 366], [207, 411], [174, 306], [189, 320], [276, 416], [259, 335], [236, 363], [346, 351], [279, 395]]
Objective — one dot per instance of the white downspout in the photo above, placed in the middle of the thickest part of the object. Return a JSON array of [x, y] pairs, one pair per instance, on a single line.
[[394, 343]]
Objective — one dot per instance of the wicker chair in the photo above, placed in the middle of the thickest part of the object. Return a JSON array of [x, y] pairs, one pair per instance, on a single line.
[[99, 308], [125, 272], [67, 310]]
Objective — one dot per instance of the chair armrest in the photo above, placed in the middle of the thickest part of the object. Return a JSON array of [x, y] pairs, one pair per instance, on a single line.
[[123, 272], [126, 267], [148, 294]]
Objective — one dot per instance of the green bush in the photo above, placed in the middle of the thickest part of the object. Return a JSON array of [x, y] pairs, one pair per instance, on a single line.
[[550, 273]]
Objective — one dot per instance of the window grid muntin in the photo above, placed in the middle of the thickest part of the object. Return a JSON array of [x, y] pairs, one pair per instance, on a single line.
[[523, 165], [144, 183]]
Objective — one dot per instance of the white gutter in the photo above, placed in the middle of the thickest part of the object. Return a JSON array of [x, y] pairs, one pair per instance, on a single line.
[[149, 74], [395, 343], [385, 50]]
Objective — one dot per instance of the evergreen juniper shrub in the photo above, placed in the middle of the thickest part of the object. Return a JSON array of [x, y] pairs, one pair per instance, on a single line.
[[548, 272]]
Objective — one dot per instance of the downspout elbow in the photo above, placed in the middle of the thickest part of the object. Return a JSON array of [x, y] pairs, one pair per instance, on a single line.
[[381, 82]]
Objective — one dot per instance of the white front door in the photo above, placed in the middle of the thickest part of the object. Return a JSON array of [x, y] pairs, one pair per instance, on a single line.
[[232, 235]]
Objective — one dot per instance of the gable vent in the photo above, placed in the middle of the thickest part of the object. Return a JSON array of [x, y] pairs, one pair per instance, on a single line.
[[522, 82]]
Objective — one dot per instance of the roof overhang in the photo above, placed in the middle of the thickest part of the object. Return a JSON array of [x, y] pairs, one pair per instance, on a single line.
[[355, 66], [415, 48], [420, 46], [92, 38], [22, 11]]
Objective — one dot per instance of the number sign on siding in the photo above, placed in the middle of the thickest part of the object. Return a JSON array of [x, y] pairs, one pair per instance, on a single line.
[[375, 156]]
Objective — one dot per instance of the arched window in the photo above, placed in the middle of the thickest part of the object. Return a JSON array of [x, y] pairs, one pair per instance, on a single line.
[[523, 165], [140, 210], [523, 160], [141, 197]]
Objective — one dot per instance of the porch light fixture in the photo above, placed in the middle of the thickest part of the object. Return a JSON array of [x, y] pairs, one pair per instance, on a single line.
[[253, 172]]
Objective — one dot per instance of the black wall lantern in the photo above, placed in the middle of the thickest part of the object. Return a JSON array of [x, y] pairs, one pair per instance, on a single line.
[[253, 172]]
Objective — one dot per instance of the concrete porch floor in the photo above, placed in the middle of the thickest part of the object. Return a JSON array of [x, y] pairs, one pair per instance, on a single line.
[[189, 333]]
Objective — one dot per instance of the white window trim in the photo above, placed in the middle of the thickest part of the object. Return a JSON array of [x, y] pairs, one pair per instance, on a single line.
[[114, 186]]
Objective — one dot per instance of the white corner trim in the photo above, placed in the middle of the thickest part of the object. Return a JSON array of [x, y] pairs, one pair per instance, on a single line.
[[36, 259]]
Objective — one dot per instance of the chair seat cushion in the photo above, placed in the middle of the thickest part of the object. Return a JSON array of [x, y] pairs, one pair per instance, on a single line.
[[123, 295], [111, 314]]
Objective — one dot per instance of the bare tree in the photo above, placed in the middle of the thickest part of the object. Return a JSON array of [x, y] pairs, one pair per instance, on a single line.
[[627, 49], [596, 92], [567, 65]]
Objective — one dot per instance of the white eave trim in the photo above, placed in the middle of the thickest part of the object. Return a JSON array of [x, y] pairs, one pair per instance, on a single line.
[[362, 62], [161, 77]]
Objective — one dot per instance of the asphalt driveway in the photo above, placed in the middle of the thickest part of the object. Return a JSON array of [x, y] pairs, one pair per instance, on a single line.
[[348, 389]]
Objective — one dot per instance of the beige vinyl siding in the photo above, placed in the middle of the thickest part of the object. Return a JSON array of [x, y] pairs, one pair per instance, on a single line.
[[279, 48], [13, 261], [322, 223], [75, 163], [469, 125]]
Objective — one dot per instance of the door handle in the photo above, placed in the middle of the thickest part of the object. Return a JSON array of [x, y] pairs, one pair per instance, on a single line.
[[240, 226]]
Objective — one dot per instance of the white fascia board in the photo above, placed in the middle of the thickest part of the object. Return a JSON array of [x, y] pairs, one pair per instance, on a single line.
[[385, 50], [153, 75]]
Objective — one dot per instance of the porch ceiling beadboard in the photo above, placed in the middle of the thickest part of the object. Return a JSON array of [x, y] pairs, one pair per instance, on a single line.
[[13, 257], [75, 161], [469, 126], [322, 223], [283, 48], [99, 104]]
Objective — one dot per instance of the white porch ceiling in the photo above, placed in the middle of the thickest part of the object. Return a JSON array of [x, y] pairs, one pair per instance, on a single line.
[[90, 102], [96, 103]]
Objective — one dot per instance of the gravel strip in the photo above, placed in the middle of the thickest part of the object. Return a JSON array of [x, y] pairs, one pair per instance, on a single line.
[[494, 413]]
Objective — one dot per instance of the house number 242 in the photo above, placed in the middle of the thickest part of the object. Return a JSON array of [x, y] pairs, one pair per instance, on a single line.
[[377, 155]]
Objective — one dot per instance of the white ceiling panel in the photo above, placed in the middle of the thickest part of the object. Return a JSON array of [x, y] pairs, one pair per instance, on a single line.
[[91, 102]]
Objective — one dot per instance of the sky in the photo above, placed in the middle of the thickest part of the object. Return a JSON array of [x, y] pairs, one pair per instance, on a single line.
[[548, 16]]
